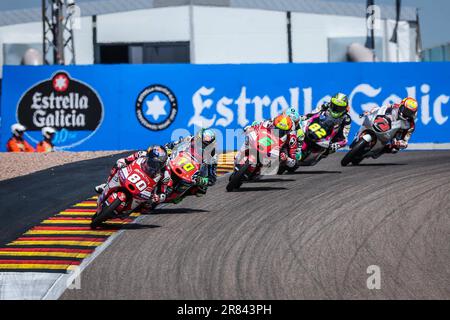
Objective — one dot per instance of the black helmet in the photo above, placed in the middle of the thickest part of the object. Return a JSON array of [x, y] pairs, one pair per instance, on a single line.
[[156, 160], [338, 105]]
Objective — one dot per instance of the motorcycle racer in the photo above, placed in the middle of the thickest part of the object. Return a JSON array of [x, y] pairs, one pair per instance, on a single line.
[[337, 108], [286, 126], [405, 111], [154, 166], [203, 147]]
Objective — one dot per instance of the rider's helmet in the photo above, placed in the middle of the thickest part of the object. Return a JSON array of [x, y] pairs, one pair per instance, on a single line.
[[48, 133], [17, 130], [293, 114], [408, 109], [338, 105], [283, 123], [156, 160], [206, 136]]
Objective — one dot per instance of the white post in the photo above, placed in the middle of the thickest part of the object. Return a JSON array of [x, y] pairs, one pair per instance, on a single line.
[[191, 31]]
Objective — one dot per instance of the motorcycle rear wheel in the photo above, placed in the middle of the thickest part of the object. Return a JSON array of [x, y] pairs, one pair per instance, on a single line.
[[281, 170], [355, 154], [105, 214]]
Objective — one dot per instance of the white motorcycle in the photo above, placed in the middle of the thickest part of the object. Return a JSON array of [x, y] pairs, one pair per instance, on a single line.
[[377, 131]]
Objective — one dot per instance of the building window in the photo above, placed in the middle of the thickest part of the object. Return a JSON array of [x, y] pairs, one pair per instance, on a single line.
[[161, 52]]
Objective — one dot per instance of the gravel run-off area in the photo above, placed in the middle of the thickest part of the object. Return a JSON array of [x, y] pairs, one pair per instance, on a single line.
[[14, 164]]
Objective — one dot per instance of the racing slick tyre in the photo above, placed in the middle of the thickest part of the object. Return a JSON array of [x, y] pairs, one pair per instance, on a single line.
[[105, 214], [355, 154], [283, 169], [236, 178]]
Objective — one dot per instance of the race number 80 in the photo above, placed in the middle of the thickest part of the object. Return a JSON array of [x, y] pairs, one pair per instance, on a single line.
[[137, 181]]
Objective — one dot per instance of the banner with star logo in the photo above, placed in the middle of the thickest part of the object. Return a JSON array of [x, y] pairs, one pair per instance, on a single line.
[[118, 107]]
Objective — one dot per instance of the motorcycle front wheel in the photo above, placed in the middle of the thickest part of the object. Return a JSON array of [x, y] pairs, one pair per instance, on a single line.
[[355, 154], [105, 214]]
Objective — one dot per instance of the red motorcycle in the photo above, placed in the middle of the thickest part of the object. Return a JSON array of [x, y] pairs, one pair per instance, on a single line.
[[128, 189], [262, 149], [185, 169]]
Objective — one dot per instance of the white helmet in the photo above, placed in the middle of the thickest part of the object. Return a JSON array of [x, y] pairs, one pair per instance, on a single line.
[[17, 129], [47, 132]]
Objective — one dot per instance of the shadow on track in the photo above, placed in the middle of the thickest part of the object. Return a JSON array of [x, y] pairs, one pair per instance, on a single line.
[[177, 211], [379, 164], [252, 189], [130, 226], [263, 180], [313, 172]]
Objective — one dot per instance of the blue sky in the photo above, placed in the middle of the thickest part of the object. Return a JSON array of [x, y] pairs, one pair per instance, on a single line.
[[434, 15]]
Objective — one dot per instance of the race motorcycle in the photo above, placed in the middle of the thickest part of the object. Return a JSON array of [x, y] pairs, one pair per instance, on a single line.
[[127, 190], [315, 136], [262, 149], [377, 131], [185, 170]]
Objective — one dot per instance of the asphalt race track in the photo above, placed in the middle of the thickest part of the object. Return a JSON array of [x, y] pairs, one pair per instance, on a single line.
[[27, 200], [310, 235]]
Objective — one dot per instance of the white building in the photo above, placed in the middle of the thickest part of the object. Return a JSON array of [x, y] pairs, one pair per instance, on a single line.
[[214, 31]]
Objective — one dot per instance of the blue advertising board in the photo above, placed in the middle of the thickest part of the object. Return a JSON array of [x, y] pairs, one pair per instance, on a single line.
[[116, 107]]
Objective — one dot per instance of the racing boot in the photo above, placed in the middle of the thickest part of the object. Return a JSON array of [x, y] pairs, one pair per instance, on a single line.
[[201, 191], [177, 201], [148, 207], [389, 148]]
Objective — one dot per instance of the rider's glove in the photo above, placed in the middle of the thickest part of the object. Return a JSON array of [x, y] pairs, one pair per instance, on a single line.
[[300, 134], [166, 178], [298, 154], [121, 164], [334, 147], [202, 181]]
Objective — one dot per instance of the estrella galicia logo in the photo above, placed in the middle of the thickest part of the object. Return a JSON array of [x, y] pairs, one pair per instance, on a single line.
[[156, 107], [68, 105]]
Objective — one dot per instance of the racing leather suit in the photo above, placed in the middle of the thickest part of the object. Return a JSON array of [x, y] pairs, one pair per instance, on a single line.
[[160, 193], [401, 140], [341, 138]]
